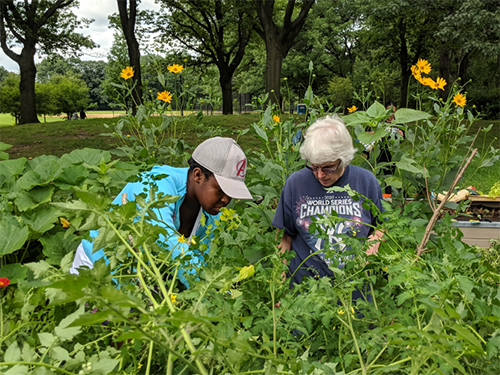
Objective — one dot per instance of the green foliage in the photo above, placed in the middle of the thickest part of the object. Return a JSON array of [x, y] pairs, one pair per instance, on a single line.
[[341, 91], [10, 96], [70, 93], [437, 313]]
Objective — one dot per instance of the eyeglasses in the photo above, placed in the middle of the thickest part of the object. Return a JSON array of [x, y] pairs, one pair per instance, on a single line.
[[326, 170]]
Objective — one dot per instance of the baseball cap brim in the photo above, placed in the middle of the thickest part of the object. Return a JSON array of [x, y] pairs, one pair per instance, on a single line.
[[233, 188]]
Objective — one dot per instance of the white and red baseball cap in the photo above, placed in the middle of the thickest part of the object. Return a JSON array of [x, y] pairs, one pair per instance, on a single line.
[[227, 161]]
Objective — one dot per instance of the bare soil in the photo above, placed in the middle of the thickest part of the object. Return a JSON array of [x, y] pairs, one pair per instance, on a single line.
[[476, 212]]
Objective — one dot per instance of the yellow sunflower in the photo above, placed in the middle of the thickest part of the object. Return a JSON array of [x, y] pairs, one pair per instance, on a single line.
[[175, 68], [352, 109], [460, 99], [276, 118], [127, 73], [165, 96], [424, 66]]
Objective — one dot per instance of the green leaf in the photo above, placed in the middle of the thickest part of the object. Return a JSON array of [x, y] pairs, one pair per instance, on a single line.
[[405, 115], [394, 181], [356, 118], [29, 353], [376, 110], [87, 155], [368, 138], [14, 272], [41, 220], [38, 268], [29, 180], [59, 354], [408, 164], [14, 167], [71, 175], [466, 285], [105, 366], [260, 132], [56, 246], [465, 334], [246, 272], [13, 353], [46, 339], [17, 370], [12, 235], [66, 332]]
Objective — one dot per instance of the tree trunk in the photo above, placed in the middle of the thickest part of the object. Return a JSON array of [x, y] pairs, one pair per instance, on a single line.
[[463, 64], [27, 69], [227, 93], [128, 26], [274, 63], [278, 39]]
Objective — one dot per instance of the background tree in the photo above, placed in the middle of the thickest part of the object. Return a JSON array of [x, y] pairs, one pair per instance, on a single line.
[[46, 24], [3, 74], [70, 93], [128, 19], [400, 31], [278, 38], [341, 91], [91, 72], [10, 96], [218, 32], [45, 100], [467, 29]]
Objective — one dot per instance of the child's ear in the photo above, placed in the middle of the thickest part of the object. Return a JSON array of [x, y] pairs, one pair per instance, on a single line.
[[198, 175]]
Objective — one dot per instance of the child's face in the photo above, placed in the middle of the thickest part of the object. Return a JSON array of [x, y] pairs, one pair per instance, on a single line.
[[211, 196]]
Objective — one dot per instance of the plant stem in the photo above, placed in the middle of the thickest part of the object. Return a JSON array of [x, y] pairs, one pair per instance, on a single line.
[[57, 369], [150, 356]]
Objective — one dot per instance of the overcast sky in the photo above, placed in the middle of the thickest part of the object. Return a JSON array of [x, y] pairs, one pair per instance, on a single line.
[[98, 30]]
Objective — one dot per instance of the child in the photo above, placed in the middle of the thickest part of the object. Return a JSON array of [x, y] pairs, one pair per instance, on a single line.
[[216, 174]]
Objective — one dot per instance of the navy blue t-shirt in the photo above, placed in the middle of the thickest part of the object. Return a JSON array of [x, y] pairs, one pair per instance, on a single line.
[[304, 197]]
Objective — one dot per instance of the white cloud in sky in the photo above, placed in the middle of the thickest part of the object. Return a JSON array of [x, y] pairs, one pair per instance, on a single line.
[[99, 10]]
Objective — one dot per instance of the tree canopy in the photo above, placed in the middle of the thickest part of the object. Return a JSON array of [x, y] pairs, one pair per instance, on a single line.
[[38, 26]]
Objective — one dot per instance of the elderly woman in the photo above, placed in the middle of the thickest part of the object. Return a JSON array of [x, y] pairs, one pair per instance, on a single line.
[[328, 150]]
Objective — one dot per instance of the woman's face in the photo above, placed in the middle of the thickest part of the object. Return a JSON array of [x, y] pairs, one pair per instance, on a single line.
[[328, 173]]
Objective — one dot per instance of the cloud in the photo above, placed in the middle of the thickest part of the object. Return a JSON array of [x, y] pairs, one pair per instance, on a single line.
[[98, 30]]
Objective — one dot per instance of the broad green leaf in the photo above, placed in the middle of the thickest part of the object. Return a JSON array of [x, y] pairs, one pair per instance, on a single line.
[[29, 180], [41, 220], [46, 339], [13, 353], [59, 354], [105, 366], [28, 353], [405, 115], [66, 332], [57, 245], [70, 176], [14, 167], [356, 118], [14, 272], [49, 170], [12, 235], [376, 110], [87, 155], [39, 268], [394, 181], [368, 138]]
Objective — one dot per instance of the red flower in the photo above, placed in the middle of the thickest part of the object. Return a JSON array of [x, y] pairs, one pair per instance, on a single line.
[[4, 282]]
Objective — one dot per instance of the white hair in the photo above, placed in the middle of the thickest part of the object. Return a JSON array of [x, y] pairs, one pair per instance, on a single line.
[[328, 140]]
